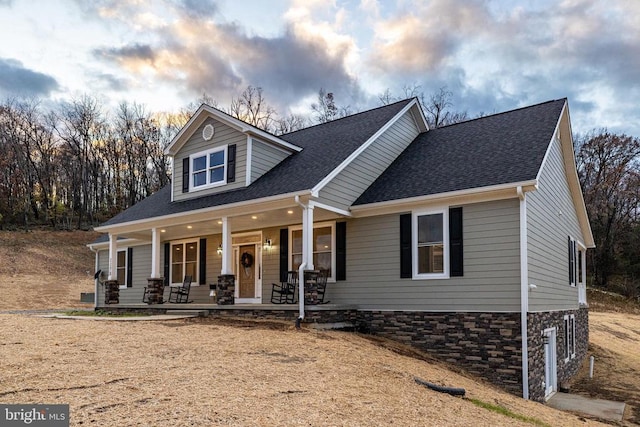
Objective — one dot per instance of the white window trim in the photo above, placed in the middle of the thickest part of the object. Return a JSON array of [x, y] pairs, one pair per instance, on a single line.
[[206, 154], [195, 281], [569, 322], [445, 243], [572, 325], [332, 224], [126, 267]]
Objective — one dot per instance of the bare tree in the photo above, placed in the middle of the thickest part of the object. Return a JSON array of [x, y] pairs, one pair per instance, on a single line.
[[326, 109], [608, 170], [251, 107], [290, 123]]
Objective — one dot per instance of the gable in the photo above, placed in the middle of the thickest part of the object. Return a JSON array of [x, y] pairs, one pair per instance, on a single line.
[[355, 177], [492, 151], [197, 147], [220, 158]]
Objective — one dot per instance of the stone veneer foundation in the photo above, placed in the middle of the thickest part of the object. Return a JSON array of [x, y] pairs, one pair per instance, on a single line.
[[536, 324], [486, 344]]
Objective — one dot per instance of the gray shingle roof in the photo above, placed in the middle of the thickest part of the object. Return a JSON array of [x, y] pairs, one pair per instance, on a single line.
[[502, 148], [324, 146]]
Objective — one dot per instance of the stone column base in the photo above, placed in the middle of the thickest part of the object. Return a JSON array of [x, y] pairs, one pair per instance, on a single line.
[[111, 292], [226, 289], [155, 290]]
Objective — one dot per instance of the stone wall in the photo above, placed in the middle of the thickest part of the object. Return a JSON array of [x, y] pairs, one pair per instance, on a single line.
[[536, 324], [486, 344]]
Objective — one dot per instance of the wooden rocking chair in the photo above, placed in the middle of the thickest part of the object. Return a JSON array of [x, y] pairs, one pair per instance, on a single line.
[[285, 292], [180, 294]]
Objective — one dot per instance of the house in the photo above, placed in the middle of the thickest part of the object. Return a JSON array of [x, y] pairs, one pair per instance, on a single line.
[[466, 241]]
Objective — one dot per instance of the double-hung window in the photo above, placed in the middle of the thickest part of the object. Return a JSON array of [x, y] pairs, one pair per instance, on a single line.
[[431, 244], [184, 261], [324, 254], [208, 168], [121, 268]]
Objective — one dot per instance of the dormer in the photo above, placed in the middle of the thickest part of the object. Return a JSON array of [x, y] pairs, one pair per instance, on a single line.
[[215, 152]]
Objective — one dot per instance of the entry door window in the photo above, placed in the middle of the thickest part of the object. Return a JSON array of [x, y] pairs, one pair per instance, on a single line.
[[184, 261]]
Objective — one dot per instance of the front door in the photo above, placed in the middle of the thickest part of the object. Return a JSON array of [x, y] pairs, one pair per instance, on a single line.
[[550, 363], [247, 272]]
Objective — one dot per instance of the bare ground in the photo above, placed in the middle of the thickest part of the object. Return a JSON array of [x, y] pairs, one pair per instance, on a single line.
[[211, 372]]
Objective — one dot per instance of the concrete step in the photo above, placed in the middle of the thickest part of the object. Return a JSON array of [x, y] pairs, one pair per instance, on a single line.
[[194, 313]]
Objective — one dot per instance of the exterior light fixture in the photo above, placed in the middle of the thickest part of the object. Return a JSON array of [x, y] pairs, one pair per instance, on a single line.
[[219, 250]]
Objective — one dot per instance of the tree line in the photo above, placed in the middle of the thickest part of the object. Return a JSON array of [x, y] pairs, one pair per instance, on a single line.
[[78, 164]]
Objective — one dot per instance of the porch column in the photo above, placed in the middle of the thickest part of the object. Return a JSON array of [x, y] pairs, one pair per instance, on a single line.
[[113, 253], [227, 256], [307, 237], [155, 253]]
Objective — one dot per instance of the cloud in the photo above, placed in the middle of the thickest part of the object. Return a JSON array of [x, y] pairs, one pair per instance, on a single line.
[[221, 58], [495, 57], [17, 80]]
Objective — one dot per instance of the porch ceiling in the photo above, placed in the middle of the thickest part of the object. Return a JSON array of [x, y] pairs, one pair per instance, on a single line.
[[241, 223]]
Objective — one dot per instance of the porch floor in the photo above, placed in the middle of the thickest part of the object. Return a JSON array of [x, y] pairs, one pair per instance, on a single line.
[[216, 307]]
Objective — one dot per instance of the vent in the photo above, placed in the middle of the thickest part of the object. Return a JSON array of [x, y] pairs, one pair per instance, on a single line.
[[207, 132]]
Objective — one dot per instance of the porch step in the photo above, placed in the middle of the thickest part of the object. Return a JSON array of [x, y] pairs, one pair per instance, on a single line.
[[194, 313], [340, 326]]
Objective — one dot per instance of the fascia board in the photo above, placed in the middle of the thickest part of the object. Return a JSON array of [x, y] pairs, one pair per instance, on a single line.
[[232, 209], [474, 195]]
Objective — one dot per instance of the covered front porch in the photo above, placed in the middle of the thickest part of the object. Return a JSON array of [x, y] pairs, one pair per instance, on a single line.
[[250, 246]]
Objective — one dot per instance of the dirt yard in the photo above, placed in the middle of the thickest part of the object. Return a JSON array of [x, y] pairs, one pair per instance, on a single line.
[[203, 372], [45, 269]]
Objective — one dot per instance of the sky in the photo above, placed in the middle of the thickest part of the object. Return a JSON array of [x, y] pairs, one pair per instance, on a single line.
[[492, 56]]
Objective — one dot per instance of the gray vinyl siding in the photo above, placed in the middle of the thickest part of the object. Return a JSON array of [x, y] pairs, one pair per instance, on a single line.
[[224, 135], [263, 158], [347, 186], [551, 218], [491, 280], [141, 270], [270, 263]]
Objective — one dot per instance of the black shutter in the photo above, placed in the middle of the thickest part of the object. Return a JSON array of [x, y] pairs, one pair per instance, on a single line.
[[231, 163], [405, 246], [167, 262], [572, 261], [455, 242], [341, 251], [129, 267], [203, 262], [185, 175], [284, 254]]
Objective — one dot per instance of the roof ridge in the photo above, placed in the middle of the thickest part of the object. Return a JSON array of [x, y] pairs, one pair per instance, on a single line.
[[346, 117], [503, 112]]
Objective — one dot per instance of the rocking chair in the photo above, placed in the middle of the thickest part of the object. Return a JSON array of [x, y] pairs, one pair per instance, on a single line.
[[285, 292], [180, 294]]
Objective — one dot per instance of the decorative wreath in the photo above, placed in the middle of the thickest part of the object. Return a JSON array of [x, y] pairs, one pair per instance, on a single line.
[[246, 260]]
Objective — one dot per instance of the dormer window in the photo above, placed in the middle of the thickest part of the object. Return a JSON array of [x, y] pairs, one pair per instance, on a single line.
[[208, 168]]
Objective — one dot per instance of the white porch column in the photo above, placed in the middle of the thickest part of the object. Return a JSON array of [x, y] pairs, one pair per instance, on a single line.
[[307, 237], [113, 253], [227, 255], [155, 253]]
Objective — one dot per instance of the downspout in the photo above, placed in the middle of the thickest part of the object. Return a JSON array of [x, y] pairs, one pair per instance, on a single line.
[[524, 292], [303, 265]]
